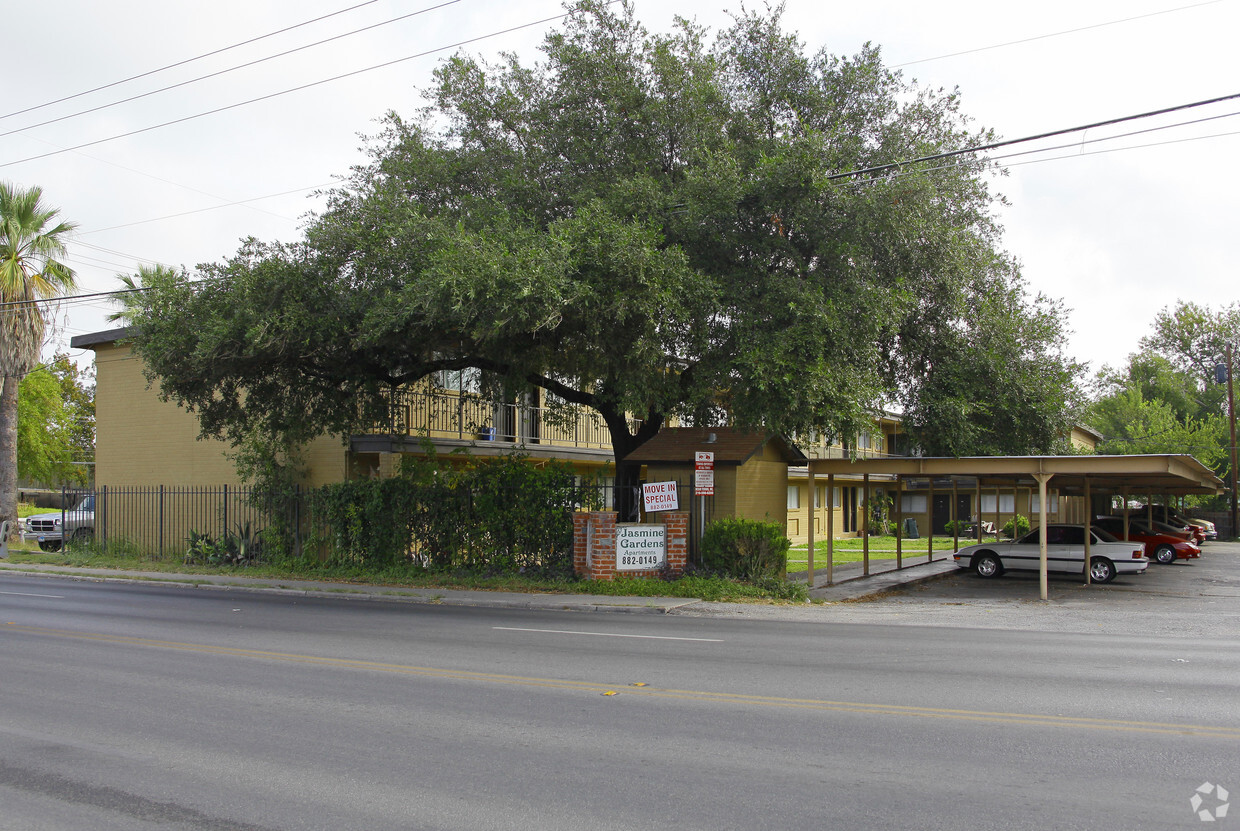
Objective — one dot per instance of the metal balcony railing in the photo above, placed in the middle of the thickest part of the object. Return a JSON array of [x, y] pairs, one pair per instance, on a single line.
[[463, 416]]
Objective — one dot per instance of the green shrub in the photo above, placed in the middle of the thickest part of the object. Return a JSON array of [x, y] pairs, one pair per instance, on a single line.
[[496, 516], [1021, 526], [745, 549], [957, 526]]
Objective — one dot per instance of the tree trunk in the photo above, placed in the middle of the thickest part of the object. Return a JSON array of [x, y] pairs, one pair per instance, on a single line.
[[628, 474], [8, 452]]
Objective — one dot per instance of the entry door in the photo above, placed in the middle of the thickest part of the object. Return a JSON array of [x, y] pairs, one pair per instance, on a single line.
[[943, 510]]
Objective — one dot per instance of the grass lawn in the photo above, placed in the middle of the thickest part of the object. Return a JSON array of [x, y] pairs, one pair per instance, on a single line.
[[400, 576], [881, 548]]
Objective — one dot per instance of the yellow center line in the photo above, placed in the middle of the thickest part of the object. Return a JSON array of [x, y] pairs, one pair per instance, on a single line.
[[981, 716]]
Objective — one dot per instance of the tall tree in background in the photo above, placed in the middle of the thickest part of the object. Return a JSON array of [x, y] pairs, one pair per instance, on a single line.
[[1165, 399], [55, 425], [32, 244], [1194, 338], [652, 226]]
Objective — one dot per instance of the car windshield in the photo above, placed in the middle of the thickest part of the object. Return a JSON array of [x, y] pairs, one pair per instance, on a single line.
[[87, 504], [1101, 535]]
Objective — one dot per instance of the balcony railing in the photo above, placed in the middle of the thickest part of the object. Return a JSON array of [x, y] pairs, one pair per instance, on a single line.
[[463, 416]]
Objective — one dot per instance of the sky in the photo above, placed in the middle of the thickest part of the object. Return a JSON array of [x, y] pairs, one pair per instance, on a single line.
[[1116, 227]]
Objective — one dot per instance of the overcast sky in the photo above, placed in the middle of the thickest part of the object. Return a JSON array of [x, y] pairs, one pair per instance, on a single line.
[[1118, 229]]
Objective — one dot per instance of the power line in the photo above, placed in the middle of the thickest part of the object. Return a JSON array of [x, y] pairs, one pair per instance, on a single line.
[[310, 85], [209, 208], [1001, 160], [226, 71], [1055, 34], [882, 168], [892, 165], [187, 60]]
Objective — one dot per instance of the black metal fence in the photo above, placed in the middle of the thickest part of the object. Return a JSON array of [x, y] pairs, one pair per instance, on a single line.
[[157, 521], [160, 522]]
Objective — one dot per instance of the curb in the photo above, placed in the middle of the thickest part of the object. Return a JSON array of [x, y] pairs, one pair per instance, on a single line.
[[434, 597]]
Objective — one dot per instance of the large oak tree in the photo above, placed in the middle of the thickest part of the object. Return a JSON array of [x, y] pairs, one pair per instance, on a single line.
[[654, 226]]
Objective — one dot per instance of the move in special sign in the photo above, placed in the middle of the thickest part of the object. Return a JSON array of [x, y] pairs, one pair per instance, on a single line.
[[640, 547], [660, 496]]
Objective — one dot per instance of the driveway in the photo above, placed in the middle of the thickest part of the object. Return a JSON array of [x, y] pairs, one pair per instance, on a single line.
[[1192, 598]]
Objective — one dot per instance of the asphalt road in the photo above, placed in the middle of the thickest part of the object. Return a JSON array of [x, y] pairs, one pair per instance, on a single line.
[[132, 707]]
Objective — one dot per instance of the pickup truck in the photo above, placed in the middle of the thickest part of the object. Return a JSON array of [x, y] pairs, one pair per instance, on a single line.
[[51, 529]]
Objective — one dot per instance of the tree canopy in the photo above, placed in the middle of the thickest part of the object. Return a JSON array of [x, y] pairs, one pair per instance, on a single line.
[[32, 245], [55, 424], [1165, 399], [652, 225]]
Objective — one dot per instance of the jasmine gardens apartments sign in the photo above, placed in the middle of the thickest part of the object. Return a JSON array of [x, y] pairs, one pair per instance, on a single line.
[[640, 547]]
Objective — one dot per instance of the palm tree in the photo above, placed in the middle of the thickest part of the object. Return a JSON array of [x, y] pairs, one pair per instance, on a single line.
[[30, 270]]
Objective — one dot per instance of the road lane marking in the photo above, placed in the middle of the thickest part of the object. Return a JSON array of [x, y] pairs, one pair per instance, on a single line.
[[606, 634], [861, 707], [28, 594]]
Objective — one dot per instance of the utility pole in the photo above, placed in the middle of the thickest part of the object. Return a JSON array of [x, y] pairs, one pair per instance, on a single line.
[[1231, 418]]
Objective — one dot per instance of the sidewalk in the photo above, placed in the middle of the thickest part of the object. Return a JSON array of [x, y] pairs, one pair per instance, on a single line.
[[850, 585]]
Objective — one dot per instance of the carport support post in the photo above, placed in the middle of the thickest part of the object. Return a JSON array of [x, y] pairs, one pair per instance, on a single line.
[[1124, 496], [809, 544], [1088, 527], [1042, 478], [955, 523], [977, 530], [830, 529], [899, 519], [865, 525], [999, 514]]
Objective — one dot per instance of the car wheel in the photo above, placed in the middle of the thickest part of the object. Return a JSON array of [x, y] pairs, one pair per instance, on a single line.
[[987, 565], [50, 545], [1101, 570], [1164, 554]]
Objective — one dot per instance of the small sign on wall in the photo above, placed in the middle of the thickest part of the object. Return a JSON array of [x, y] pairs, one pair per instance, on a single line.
[[660, 496], [640, 547], [704, 473]]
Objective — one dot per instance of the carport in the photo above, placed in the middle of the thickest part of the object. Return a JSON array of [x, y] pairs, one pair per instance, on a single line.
[[1086, 476]]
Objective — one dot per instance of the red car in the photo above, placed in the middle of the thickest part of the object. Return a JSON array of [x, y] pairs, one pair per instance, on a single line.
[[1169, 516], [1160, 546]]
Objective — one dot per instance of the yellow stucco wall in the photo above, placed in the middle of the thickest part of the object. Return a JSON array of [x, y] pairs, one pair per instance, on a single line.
[[756, 489], [142, 440]]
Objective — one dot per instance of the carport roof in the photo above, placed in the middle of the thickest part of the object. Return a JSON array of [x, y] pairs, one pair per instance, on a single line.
[[1162, 473]]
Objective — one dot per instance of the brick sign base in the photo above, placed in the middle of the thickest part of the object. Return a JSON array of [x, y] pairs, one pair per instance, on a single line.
[[594, 545]]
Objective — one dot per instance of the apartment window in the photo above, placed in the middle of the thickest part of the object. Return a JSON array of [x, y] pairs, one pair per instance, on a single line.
[[1007, 503], [1052, 503], [794, 497], [835, 497], [461, 380], [913, 503]]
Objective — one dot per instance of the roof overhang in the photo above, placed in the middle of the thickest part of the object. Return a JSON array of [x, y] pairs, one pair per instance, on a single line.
[[1163, 474]]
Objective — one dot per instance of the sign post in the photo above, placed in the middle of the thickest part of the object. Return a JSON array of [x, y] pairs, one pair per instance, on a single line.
[[703, 483]]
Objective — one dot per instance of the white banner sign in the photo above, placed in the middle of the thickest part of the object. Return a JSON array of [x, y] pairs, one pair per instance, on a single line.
[[660, 496], [640, 547]]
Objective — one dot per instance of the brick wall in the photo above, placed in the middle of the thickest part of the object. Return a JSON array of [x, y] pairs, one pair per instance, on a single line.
[[594, 545]]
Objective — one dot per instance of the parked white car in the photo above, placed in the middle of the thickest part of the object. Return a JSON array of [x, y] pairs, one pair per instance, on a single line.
[[1065, 552], [51, 529]]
